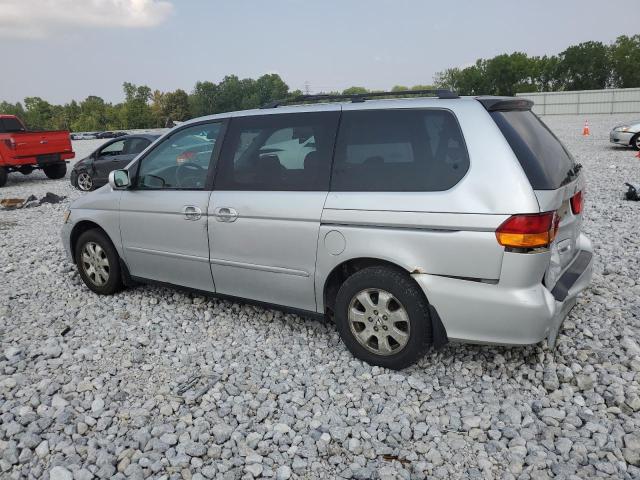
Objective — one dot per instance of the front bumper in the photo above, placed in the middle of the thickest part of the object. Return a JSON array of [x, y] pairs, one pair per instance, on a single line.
[[519, 309], [65, 235], [621, 138]]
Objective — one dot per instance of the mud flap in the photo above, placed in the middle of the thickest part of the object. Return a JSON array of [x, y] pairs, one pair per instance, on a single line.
[[440, 338]]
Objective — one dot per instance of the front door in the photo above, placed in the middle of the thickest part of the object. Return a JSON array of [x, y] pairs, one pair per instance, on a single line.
[[163, 217], [265, 210], [107, 160]]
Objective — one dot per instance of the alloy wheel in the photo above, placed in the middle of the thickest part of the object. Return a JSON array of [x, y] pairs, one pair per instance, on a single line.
[[85, 182], [379, 322]]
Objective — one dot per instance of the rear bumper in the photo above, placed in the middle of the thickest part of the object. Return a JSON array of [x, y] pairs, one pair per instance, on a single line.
[[519, 309], [621, 138], [36, 161]]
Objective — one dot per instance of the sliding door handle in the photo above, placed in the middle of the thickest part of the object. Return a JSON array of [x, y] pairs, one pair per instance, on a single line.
[[191, 212], [225, 214]]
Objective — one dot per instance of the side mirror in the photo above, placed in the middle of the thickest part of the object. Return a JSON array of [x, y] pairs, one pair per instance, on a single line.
[[119, 179]]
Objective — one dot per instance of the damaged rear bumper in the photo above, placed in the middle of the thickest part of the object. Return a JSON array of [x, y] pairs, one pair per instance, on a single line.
[[518, 309]]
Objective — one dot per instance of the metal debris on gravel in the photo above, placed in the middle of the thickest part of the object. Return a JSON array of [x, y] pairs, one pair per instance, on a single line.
[[155, 383]]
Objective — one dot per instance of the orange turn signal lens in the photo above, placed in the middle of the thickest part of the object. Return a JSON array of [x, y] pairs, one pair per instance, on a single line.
[[528, 230]]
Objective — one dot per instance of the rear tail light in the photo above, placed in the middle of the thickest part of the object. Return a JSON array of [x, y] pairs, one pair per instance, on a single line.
[[528, 230], [576, 203]]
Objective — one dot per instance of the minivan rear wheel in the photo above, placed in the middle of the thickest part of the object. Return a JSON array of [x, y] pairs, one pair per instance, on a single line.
[[383, 317]]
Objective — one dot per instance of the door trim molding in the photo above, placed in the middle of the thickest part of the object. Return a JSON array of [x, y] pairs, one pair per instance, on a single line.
[[161, 253], [262, 268]]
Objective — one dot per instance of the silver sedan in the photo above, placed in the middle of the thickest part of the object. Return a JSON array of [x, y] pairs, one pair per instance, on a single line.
[[627, 134]]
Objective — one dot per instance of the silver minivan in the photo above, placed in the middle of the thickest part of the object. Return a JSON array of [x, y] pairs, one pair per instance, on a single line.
[[408, 221]]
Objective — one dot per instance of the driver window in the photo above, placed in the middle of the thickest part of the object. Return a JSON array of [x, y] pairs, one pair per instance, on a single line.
[[112, 149], [180, 161]]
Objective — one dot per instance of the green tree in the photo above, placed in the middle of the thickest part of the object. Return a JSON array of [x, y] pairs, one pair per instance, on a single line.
[[586, 66], [38, 113], [136, 109], [230, 94], [202, 100], [507, 74], [625, 62], [175, 107], [354, 91], [12, 109], [271, 87]]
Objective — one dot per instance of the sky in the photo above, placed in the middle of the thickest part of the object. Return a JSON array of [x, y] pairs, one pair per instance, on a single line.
[[68, 49]]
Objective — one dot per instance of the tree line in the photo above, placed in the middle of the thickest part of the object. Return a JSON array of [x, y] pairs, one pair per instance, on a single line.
[[586, 66], [146, 108]]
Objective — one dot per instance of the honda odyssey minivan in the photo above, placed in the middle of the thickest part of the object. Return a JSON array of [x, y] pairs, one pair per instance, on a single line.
[[408, 221]]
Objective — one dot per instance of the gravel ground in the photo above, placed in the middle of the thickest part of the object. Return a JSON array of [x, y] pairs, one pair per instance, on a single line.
[[157, 383]]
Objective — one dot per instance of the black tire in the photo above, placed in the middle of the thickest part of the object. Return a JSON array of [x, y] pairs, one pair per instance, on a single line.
[[406, 294], [113, 283], [55, 171], [3, 176], [635, 142]]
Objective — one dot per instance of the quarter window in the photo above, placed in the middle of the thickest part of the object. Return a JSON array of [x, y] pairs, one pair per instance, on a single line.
[[399, 151], [181, 160], [280, 152]]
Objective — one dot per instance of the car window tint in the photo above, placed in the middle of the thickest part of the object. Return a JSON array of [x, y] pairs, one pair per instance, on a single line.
[[136, 145], [116, 148], [281, 152], [544, 159], [10, 125], [399, 151], [180, 160]]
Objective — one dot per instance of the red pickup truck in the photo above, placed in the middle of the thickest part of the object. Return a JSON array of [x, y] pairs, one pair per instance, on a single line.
[[23, 151]]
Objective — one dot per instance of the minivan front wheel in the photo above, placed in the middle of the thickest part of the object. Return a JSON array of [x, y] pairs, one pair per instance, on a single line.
[[98, 262], [635, 142], [383, 317]]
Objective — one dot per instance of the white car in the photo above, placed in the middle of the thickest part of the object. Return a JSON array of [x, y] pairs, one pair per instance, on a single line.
[[627, 134]]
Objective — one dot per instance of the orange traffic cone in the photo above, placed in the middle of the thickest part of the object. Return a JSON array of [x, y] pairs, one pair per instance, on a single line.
[[585, 130]]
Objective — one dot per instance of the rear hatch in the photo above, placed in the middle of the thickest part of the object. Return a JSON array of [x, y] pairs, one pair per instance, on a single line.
[[553, 173], [35, 144]]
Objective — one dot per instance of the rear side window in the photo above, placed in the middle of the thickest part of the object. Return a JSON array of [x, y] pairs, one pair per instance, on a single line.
[[544, 159], [399, 151], [10, 125], [281, 152]]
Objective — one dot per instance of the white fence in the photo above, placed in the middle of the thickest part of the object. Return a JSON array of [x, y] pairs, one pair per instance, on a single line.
[[613, 100]]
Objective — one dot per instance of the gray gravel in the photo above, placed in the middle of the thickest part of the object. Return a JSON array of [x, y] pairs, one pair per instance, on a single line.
[[154, 383]]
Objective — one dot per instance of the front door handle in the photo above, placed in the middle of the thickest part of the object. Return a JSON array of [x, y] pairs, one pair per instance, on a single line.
[[225, 214], [191, 212]]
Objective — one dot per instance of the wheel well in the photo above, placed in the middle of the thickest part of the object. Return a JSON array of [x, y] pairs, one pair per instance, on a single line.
[[343, 271], [79, 229]]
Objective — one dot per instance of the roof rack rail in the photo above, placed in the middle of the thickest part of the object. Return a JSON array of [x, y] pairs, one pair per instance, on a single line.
[[361, 97]]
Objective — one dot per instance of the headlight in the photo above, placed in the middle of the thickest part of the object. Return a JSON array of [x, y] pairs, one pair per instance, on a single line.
[[623, 128], [67, 214]]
